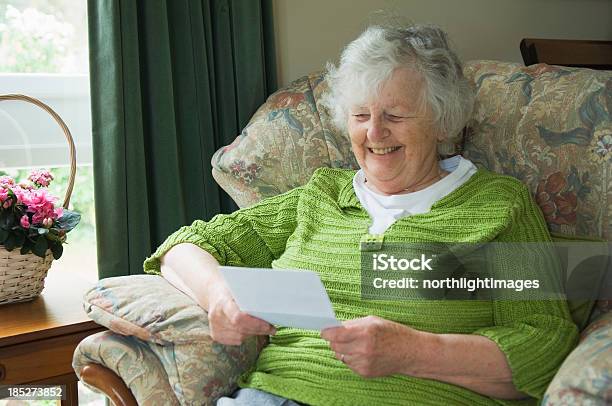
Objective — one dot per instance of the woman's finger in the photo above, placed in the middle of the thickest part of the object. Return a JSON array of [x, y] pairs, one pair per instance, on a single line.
[[229, 337], [342, 348], [220, 333], [342, 357], [254, 326], [246, 323]]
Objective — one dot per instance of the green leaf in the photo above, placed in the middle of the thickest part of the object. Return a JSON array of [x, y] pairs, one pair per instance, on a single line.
[[5, 219], [33, 232], [69, 220], [53, 236], [3, 235], [57, 250], [27, 246], [10, 243], [19, 238], [42, 231], [40, 248], [3, 216]]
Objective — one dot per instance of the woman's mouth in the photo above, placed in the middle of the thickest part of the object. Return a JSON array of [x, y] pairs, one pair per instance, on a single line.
[[383, 151]]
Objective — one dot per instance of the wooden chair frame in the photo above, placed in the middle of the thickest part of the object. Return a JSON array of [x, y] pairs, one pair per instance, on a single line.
[[574, 53], [109, 383]]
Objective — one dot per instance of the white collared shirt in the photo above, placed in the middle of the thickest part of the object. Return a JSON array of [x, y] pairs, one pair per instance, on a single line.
[[385, 210]]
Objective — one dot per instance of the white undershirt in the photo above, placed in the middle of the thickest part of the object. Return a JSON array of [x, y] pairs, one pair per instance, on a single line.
[[385, 210]]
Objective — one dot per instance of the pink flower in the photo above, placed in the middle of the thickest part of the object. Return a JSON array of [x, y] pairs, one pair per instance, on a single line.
[[37, 199], [47, 223], [6, 181], [40, 203], [3, 194], [7, 204], [25, 221], [46, 212], [237, 167], [21, 194], [41, 178]]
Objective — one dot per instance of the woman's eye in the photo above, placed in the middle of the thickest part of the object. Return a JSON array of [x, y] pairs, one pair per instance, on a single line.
[[361, 116], [394, 117]]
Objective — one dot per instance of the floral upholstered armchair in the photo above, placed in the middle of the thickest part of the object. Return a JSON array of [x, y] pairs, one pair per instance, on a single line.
[[549, 126]]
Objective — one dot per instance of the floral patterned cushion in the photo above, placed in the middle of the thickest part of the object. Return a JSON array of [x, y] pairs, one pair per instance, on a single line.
[[174, 330], [289, 137], [587, 277], [585, 377], [130, 305], [133, 361], [550, 127]]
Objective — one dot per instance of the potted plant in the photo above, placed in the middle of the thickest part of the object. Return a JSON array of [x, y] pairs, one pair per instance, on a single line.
[[30, 221]]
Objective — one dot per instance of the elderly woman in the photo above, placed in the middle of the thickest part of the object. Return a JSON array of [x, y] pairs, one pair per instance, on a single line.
[[400, 93]]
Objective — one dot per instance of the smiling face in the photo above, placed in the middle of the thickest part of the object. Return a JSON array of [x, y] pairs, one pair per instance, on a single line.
[[393, 139]]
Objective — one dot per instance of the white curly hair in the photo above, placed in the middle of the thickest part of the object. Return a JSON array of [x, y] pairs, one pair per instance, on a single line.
[[369, 61]]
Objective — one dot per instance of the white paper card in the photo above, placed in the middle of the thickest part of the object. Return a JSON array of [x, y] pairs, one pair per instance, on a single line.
[[287, 298]]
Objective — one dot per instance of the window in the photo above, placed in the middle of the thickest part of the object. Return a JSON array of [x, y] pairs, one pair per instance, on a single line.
[[44, 54]]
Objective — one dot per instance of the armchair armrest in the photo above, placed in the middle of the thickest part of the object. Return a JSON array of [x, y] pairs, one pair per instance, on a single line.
[[585, 377], [124, 369], [160, 344], [97, 376]]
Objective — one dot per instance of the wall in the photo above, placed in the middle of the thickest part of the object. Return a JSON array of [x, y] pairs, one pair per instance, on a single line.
[[310, 32]]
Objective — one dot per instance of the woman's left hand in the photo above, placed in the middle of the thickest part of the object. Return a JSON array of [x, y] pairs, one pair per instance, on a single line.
[[372, 346]]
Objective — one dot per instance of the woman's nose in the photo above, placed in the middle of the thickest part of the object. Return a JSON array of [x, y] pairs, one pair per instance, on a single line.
[[376, 129]]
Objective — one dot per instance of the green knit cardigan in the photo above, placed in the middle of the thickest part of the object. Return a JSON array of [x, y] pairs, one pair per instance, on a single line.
[[319, 226]]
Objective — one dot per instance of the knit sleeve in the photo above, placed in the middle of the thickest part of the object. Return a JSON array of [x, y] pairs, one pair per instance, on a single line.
[[535, 335], [253, 236]]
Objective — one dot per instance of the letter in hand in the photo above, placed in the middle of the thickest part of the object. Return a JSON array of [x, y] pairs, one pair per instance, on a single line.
[[228, 324]]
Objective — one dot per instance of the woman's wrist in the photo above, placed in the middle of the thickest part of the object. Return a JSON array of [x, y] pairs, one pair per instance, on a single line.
[[418, 363], [471, 361]]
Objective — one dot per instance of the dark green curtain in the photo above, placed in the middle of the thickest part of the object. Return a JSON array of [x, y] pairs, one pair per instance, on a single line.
[[171, 82]]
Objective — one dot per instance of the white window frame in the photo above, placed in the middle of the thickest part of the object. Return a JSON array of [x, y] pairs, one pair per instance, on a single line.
[[28, 139]]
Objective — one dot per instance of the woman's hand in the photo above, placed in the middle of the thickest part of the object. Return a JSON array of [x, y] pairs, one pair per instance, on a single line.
[[372, 346], [198, 276], [228, 325]]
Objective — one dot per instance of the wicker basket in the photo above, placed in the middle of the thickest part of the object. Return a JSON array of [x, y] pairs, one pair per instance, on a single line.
[[22, 277]]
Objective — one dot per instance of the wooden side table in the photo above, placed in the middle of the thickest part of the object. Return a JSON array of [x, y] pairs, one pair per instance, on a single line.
[[38, 338]]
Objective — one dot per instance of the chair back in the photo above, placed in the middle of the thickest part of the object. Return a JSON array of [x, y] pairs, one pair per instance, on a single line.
[[550, 127]]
